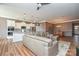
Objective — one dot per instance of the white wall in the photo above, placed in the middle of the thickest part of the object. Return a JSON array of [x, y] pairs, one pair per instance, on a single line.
[[3, 27]]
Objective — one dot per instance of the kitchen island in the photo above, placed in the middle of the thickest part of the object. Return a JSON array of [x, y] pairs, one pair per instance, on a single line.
[[40, 46]]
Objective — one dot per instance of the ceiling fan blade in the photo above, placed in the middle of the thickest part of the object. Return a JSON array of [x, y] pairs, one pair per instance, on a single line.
[[44, 4], [41, 4], [38, 8]]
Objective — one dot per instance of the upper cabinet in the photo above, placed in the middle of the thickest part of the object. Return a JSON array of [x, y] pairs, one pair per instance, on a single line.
[[11, 23], [18, 25]]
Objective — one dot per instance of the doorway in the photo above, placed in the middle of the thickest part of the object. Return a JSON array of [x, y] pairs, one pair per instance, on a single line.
[[75, 29], [75, 33]]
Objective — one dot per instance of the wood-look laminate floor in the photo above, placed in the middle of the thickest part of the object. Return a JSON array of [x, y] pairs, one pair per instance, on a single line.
[[8, 48]]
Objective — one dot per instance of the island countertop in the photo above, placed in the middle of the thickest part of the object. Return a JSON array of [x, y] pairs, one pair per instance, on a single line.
[[39, 38]]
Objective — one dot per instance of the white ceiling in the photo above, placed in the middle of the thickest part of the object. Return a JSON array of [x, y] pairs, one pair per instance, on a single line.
[[54, 12]]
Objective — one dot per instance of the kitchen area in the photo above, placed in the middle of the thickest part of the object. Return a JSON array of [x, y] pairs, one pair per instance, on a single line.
[[37, 37], [33, 36], [16, 29]]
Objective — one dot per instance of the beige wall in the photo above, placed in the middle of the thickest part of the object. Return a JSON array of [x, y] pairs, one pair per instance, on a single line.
[[45, 27], [65, 27], [41, 28], [49, 27]]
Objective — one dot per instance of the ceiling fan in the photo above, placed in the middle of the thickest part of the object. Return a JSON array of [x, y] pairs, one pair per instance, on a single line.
[[39, 5]]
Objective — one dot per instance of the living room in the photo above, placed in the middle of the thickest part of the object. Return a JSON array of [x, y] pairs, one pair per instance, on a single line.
[[28, 28]]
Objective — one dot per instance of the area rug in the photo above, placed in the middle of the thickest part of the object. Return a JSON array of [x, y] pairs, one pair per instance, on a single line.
[[63, 48]]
